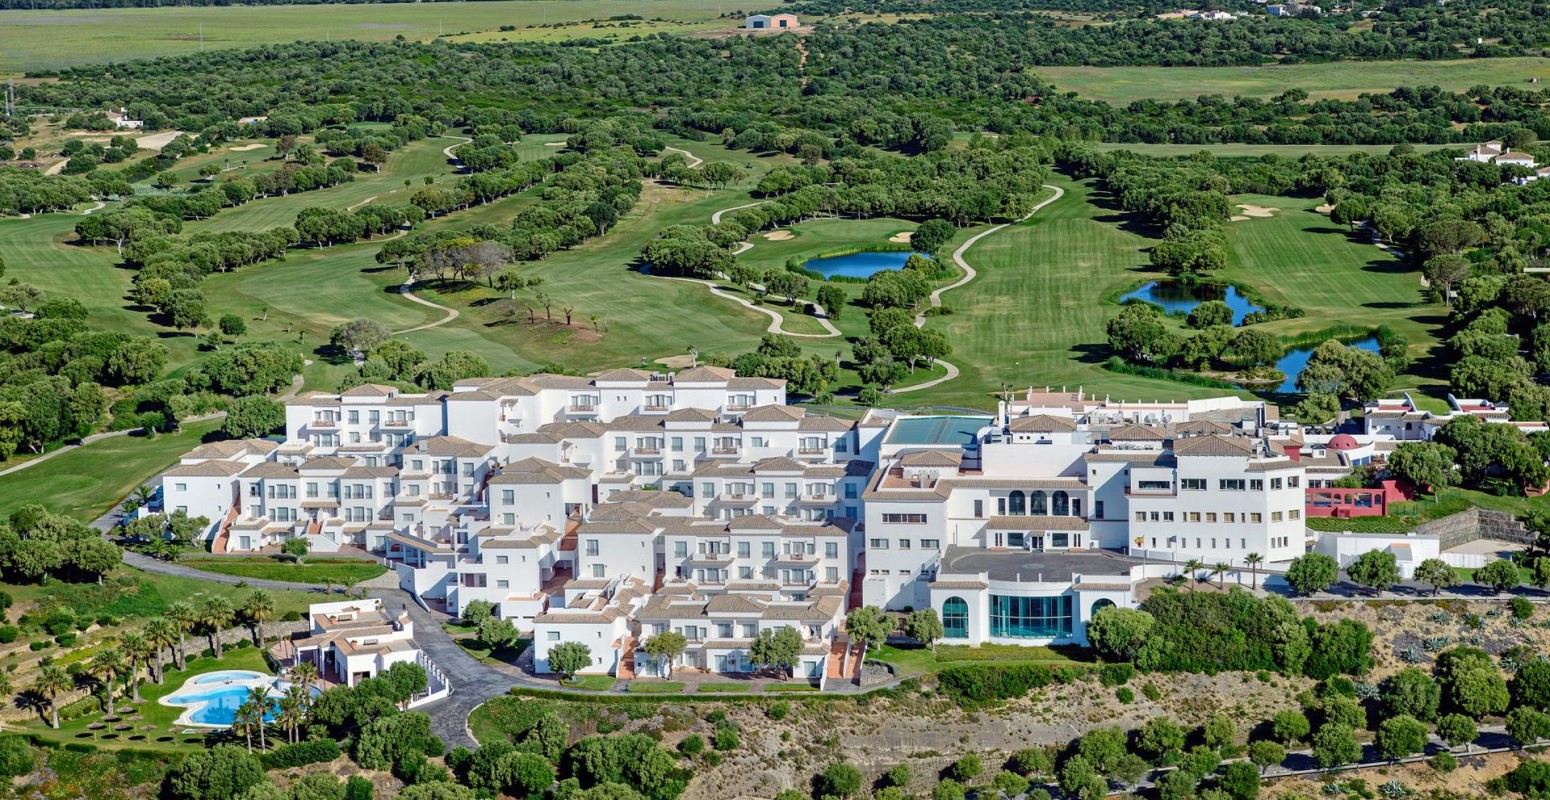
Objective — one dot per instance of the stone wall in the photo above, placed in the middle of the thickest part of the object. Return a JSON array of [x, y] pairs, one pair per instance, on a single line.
[[1476, 523]]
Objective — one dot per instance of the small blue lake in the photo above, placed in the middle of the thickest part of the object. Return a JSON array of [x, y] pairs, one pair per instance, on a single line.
[[1175, 297], [857, 265], [1293, 362]]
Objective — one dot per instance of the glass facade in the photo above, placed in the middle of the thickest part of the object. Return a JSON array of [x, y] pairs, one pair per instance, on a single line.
[[955, 619], [1029, 617]]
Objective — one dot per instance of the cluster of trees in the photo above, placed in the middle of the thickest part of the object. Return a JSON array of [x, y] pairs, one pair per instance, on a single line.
[[392, 361], [1476, 455], [1141, 335], [29, 191], [894, 348], [481, 187], [37, 545], [779, 357], [1199, 632]]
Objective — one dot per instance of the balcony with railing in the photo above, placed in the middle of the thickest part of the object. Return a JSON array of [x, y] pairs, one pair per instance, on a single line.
[[392, 422], [721, 450], [323, 422]]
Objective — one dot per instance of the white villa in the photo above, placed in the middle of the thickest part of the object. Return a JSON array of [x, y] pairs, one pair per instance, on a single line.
[[610, 509], [352, 640]]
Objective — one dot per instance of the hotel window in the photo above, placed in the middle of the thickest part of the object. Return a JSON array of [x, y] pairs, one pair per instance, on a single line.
[[1275, 516], [1231, 484], [904, 544], [723, 630], [767, 549], [1140, 516], [591, 547], [1294, 514], [1256, 517], [1275, 483], [1193, 484], [1293, 481], [850, 491], [508, 496], [355, 417], [1194, 516], [831, 573], [499, 584], [680, 549], [1167, 516], [1098, 509], [766, 490], [1156, 516], [678, 443], [756, 441], [745, 573], [750, 630], [930, 544], [840, 446], [1243, 544], [1256, 485], [878, 544], [1001, 506], [180, 487], [1210, 516], [1229, 517], [708, 490], [791, 491], [904, 519], [744, 549], [508, 518], [831, 549], [619, 442], [955, 618], [597, 570], [553, 636]]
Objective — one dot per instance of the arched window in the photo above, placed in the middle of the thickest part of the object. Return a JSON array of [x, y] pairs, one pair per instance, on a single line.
[[1017, 504], [1062, 504], [1100, 604], [1040, 505], [955, 618]]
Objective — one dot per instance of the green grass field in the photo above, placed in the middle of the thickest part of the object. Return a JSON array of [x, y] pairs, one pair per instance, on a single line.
[[1257, 150], [51, 40], [337, 571], [1034, 315], [1298, 257], [89, 480], [1344, 80]]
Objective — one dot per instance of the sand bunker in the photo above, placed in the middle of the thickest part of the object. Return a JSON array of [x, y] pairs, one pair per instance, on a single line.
[[157, 141], [1237, 218], [778, 236], [902, 237], [1258, 211], [554, 144], [246, 147], [1325, 209], [677, 362]]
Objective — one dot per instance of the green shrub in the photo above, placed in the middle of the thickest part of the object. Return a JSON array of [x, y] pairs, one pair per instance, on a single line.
[[1150, 691], [312, 751], [80, 708], [358, 788], [778, 711], [15, 757], [65, 640], [725, 739], [1125, 695], [1521, 608], [1444, 762], [1116, 674], [38, 645], [692, 745], [8, 633], [980, 684]]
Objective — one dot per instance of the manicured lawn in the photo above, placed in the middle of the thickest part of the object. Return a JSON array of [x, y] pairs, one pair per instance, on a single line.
[[155, 730], [1346, 80], [592, 683], [639, 686], [1298, 257], [337, 571], [87, 481], [479, 650], [1035, 315], [57, 39], [132, 596], [724, 687], [909, 660], [784, 688]]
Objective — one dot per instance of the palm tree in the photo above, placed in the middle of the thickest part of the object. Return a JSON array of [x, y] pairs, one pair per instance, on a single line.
[[161, 634], [258, 696], [107, 665], [247, 717], [258, 606], [293, 709], [1254, 560], [1219, 571], [305, 675], [52, 682], [183, 618], [1192, 568], [215, 614], [137, 650]]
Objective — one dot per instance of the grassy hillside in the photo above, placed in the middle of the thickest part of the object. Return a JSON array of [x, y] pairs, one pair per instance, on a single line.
[[1344, 80], [44, 40]]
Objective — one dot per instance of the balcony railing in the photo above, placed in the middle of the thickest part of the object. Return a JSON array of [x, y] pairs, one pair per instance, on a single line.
[[811, 451], [723, 451], [397, 423], [648, 451], [325, 423], [657, 407], [576, 409], [1139, 492]]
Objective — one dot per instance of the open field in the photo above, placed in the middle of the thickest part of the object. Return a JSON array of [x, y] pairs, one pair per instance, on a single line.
[[1257, 150], [87, 481], [1342, 80], [1298, 257], [51, 40]]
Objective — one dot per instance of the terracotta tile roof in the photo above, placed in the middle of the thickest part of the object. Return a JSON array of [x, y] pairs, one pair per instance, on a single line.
[[1137, 433], [932, 458], [270, 469], [705, 375], [369, 390], [327, 463], [773, 413], [207, 469], [1213, 445], [1041, 423], [448, 446]]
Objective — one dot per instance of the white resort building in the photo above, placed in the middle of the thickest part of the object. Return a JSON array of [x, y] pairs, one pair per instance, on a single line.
[[353, 640], [609, 509]]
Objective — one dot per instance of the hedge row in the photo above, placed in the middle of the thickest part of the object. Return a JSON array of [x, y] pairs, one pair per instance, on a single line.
[[300, 754]]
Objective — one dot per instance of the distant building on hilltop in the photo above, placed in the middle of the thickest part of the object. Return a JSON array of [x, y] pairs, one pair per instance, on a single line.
[[758, 22]]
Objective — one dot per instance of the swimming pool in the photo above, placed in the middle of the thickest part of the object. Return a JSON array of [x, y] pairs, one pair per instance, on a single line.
[[936, 430], [212, 699]]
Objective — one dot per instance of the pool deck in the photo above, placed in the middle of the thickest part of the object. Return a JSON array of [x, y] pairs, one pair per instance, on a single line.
[[205, 682]]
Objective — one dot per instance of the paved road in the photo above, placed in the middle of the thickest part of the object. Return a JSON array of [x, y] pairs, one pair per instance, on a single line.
[[968, 275]]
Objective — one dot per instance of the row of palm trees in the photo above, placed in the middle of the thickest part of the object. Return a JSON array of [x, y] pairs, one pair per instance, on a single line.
[[1219, 570], [144, 649], [290, 709]]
